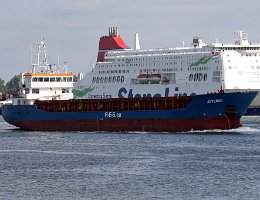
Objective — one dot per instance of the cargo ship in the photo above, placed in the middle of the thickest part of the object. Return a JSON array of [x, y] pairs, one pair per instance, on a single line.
[[150, 114], [199, 68]]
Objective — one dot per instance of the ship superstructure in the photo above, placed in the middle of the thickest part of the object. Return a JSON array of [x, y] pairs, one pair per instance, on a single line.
[[121, 72], [45, 81]]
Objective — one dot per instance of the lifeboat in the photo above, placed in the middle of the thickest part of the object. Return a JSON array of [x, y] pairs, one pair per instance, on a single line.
[[154, 77], [143, 77]]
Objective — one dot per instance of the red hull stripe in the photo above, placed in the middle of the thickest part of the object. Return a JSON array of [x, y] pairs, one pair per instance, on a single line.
[[154, 125]]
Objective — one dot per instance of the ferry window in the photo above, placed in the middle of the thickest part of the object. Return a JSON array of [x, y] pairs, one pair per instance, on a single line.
[[229, 67], [122, 79], [40, 79], [118, 79], [35, 91], [64, 79], [52, 79], [176, 89], [93, 79], [34, 79], [97, 80], [114, 79], [200, 76], [258, 67], [105, 80], [69, 79], [46, 79], [101, 80], [191, 77], [110, 79], [205, 77], [58, 79]]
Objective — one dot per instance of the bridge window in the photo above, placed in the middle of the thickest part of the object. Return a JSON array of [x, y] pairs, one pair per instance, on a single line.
[[35, 91], [65, 90]]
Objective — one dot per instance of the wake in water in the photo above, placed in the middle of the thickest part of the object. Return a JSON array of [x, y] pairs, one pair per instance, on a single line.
[[240, 130]]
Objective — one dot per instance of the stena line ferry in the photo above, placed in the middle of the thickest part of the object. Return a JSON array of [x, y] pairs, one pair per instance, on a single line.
[[122, 72]]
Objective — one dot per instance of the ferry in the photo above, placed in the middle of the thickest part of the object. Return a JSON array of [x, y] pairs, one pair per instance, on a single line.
[[122, 72]]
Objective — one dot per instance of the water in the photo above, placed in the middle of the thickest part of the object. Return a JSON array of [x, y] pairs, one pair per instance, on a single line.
[[82, 165]]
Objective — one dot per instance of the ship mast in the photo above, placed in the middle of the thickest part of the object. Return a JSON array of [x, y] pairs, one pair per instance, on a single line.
[[41, 64]]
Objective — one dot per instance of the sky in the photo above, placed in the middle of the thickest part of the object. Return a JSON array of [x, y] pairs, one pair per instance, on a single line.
[[72, 28]]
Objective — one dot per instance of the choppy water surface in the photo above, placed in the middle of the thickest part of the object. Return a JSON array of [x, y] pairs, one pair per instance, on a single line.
[[83, 165]]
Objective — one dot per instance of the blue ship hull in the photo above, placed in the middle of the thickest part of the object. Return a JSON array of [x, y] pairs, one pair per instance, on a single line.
[[210, 111]]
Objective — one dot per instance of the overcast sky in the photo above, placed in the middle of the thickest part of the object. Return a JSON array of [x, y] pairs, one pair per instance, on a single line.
[[74, 27]]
